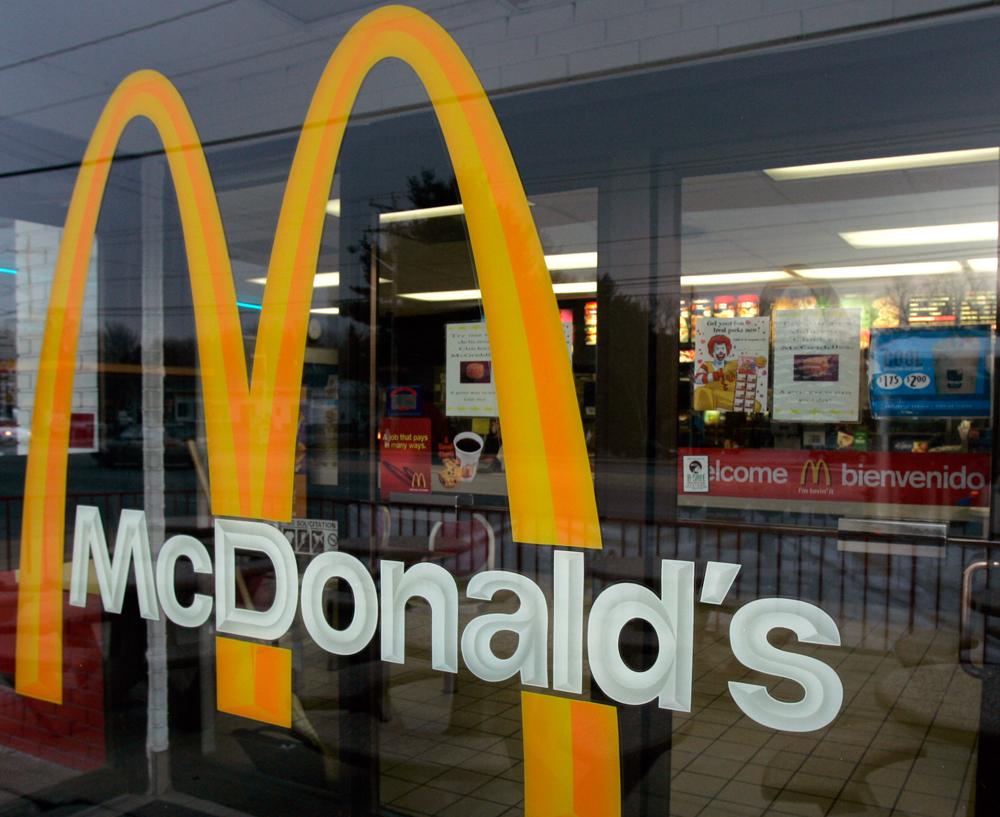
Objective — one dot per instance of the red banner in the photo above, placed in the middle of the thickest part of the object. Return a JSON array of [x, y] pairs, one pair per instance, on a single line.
[[842, 476]]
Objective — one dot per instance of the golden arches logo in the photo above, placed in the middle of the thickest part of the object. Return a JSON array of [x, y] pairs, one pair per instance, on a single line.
[[815, 468], [251, 425]]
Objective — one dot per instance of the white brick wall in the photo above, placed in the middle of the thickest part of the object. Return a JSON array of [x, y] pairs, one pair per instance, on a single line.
[[530, 42], [35, 249]]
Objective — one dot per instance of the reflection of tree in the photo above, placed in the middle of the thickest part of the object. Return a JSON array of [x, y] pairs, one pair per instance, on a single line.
[[180, 352], [621, 323], [120, 344], [422, 191], [121, 388]]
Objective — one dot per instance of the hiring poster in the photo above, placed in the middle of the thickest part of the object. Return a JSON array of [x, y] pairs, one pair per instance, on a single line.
[[930, 372], [469, 389], [730, 364], [817, 365], [405, 444]]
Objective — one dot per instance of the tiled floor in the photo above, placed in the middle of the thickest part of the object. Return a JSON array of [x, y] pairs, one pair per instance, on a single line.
[[903, 744]]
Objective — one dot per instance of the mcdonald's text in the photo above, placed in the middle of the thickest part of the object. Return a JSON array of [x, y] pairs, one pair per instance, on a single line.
[[667, 680]]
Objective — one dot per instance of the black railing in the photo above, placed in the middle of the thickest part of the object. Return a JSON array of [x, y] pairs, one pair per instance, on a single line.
[[881, 591]]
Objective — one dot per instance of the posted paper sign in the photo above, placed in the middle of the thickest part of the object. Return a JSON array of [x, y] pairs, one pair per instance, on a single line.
[[469, 389], [730, 364], [930, 372], [817, 365]]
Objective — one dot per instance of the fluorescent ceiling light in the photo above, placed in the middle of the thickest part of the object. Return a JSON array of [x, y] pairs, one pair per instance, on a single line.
[[881, 270], [326, 310], [572, 260], [734, 278], [914, 160], [421, 213], [566, 288], [320, 281], [917, 236], [575, 288], [444, 295], [333, 207], [982, 264]]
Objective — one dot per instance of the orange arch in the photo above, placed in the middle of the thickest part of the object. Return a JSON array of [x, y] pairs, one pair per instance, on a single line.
[[251, 426]]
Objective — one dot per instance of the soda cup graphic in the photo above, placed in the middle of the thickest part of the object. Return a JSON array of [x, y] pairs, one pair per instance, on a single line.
[[468, 448], [956, 365]]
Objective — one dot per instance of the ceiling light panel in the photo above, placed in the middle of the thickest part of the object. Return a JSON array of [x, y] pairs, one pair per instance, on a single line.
[[734, 278], [881, 270], [923, 236], [880, 165]]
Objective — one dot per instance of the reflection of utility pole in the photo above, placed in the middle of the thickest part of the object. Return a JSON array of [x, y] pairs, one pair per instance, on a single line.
[[154, 484]]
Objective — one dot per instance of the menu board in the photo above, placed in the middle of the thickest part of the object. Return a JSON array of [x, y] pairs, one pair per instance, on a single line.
[[730, 365], [930, 309], [469, 389], [930, 372], [817, 365], [979, 308]]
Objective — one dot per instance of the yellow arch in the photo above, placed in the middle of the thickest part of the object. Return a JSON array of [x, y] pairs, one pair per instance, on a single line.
[[251, 426]]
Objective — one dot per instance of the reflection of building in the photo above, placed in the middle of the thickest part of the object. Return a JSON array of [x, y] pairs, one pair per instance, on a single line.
[[35, 249]]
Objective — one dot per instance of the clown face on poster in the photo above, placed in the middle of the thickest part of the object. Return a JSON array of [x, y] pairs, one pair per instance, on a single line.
[[730, 364]]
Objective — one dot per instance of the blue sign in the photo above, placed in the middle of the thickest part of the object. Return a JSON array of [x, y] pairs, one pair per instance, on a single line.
[[403, 401], [930, 372]]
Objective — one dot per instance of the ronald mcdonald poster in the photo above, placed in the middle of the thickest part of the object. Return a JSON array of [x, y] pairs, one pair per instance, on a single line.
[[730, 364]]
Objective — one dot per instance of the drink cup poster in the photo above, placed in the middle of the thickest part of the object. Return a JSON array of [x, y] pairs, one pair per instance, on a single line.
[[930, 372], [730, 364], [817, 359]]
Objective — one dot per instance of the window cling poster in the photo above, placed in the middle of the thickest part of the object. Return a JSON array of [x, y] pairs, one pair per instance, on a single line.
[[730, 365], [817, 356], [930, 372]]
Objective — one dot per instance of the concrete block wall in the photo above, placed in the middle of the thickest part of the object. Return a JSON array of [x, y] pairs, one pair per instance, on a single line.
[[36, 247], [518, 43]]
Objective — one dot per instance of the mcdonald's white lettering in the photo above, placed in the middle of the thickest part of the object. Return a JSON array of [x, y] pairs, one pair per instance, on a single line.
[[671, 615]]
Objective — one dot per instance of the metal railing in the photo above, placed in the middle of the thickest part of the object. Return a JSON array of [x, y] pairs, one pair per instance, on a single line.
[[880, 591]]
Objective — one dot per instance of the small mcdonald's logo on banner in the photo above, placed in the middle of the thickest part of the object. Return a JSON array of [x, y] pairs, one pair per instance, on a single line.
[[815, 469]]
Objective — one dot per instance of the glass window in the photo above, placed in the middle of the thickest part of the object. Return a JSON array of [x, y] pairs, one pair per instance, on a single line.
[[836, 332]]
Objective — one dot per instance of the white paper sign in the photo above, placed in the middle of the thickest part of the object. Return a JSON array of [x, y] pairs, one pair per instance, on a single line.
[[469, 389], [817, 365], [730, 364], [695, 474]]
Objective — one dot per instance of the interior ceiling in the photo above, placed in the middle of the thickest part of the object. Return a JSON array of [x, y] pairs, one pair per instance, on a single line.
[[57, 72], [747, 221]]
